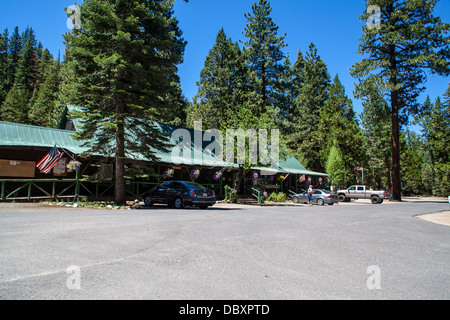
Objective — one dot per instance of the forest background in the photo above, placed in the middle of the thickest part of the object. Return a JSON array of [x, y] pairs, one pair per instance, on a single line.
[[295, 93]]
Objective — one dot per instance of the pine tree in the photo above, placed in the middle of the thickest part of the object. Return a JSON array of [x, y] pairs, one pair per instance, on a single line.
[[28, 72], [124, 60], [226, 101], [24, 63], [14, 50], [312, 95], [4, 43], [408, 41], [42, 110], [264, 55], [290, 115], [16, 104], [439, 144], [286, 96], [376, 125], [338, 125], [335, 167], [411, 163], [222, 85], [15, 107]]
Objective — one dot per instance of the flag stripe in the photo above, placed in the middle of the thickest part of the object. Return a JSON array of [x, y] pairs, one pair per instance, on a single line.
[[53, 163], [50, 160]]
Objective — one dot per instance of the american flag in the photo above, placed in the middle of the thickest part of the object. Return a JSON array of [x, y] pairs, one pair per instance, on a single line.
[[50, 160], [302, 178]]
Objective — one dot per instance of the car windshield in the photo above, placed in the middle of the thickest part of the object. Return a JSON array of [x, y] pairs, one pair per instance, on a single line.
[[194, 185]]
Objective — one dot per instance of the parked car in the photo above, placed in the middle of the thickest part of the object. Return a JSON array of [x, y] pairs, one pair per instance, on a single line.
[[180, 194], [361, 192], [320, 197]]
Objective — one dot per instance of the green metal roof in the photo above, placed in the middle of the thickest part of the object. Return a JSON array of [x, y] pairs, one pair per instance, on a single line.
[[13, 134], [293, 166]]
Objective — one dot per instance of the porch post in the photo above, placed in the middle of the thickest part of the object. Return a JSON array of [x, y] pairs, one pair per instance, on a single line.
[[77, 185]]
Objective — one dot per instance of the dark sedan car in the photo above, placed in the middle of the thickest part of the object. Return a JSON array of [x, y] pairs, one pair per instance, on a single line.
[[179, 194], [320, 197]]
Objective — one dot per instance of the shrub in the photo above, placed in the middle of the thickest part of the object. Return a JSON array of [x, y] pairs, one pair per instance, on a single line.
[[229, 194], [277, 197]]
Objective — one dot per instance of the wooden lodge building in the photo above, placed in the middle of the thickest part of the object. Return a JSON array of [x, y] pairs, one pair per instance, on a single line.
[[23, 146]]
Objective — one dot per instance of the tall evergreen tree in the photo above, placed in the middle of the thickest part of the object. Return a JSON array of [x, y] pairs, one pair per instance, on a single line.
[[290, 114], [434, 120], [286, 96], [15, 107], [223, 83], [408, 41], [338, 126], [16, 104], [123, 61], [335, 167], [376, 125], [28, 72], [14, 50], [438, 142], [263, 51], [4, 44], [226, 101], [312, 95], [410, 156], [42, 111]]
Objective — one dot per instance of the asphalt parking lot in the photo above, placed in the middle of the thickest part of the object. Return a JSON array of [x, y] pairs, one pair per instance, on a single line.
[[347, 251]]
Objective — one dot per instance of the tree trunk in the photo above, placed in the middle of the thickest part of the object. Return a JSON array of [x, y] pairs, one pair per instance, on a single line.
[[396, 186], [120, 193], [388, 173], [374, 177], [237, 184]]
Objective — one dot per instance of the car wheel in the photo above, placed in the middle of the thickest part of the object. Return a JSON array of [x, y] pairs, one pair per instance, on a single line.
[[320, 202], [148, 201], [295, 199], [375, 200], [178, 203], [341, 198]]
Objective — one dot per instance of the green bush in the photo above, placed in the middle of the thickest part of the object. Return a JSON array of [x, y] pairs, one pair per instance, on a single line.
[[277, 197], [229, 194]]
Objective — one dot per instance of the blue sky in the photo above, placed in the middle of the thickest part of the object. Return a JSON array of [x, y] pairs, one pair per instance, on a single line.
[[332, 25]]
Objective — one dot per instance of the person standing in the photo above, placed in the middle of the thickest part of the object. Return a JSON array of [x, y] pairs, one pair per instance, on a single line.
[[310, 196]]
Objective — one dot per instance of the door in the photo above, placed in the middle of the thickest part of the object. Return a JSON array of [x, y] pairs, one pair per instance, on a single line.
[[316, 195], [173, 190], [351, 192], [160, 193], [359, 192]]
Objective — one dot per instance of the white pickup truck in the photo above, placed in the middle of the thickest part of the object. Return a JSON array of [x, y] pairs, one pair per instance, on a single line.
[[361, 192]]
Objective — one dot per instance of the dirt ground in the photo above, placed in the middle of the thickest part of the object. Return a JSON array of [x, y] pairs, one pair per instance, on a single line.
[[438, 217]]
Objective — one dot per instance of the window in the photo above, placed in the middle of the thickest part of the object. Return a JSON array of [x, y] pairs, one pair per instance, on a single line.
[[165, 185], [194, 184], [177, 185], [360, 188]]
